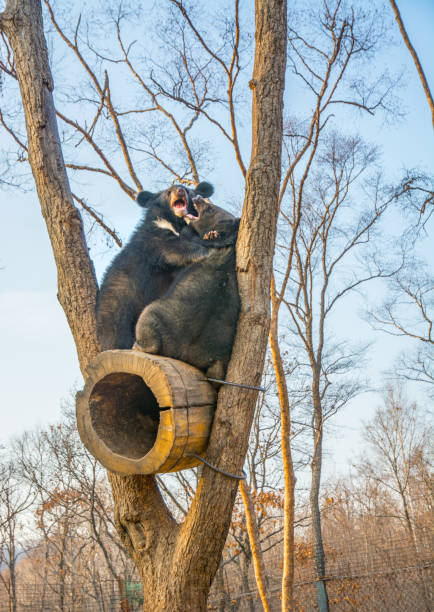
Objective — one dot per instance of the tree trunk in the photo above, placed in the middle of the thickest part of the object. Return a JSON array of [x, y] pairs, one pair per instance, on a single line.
[[176, 562], [288, 467], [61, 573], [246, 599], [255, 546], [320, 585], [224, 599], [413, 537], [12, 573]]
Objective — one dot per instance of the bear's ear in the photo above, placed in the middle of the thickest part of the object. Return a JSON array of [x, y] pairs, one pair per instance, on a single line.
[[204, 189], [144, 197]]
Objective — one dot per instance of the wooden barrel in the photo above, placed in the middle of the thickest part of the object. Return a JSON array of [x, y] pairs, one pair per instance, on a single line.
[[143, 414]]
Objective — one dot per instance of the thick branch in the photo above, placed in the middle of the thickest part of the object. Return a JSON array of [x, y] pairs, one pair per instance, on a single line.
[[254, 539], [415, 58]]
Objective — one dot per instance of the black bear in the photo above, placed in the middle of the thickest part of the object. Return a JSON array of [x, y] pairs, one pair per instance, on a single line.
[[195, 321], [145, 268]]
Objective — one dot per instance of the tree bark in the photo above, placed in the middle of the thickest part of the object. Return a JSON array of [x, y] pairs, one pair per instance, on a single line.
[[288, 466], [255, 546], [12, 571], [415, 57], [316, 465], [176, 562]]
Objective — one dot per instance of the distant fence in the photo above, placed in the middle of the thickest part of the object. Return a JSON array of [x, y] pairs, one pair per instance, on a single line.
[[396, 590], [103, 596], [374, 578], [393, 590], [384, 574]]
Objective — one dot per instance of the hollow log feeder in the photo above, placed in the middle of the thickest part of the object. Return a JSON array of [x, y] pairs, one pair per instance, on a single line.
[[144, 414]]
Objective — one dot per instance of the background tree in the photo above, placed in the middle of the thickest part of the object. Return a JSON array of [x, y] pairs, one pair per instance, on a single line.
[[323, 243], [327, 48], [398, 436], [70, 489], [408, 312], [15, 499]]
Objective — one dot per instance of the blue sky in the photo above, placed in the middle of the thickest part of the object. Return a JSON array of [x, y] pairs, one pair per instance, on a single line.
[[38, 363]]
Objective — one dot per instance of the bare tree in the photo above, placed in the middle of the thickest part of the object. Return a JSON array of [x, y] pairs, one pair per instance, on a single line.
[[258, 529], [331, 260], [71, 492], [176, 562], [408, 309], [15, 499], [327, 47], [398, 434], [409, 312]]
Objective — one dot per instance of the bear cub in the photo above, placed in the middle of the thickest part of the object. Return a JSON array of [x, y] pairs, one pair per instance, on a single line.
[[146, 267], [195, 321]]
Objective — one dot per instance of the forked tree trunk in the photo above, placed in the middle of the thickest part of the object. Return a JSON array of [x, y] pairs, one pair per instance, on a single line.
[[176, 562]]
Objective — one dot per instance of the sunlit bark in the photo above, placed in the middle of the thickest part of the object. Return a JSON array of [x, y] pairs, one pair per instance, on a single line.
[[415, 57]]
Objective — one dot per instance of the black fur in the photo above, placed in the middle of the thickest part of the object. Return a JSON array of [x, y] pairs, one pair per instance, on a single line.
[[148, 264], [195, 321]]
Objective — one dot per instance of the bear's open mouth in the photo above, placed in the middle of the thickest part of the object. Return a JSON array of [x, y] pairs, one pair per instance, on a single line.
[[179, 205], [196, 216]]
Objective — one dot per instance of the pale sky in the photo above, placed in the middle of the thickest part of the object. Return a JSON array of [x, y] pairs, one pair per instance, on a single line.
[[38, 363]]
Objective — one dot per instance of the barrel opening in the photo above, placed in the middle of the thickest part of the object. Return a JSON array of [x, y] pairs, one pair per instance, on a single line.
[[125, 414]]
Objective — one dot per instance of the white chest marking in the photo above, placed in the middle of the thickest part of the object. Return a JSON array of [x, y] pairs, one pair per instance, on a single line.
[[165, 225]]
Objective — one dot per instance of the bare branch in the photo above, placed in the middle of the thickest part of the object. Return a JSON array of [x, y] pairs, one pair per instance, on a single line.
[[415, 58], [98, 219]]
